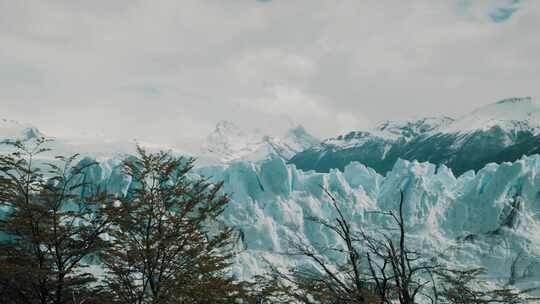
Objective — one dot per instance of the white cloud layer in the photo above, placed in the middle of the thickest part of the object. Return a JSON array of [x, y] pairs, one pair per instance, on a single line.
[[167, 71]]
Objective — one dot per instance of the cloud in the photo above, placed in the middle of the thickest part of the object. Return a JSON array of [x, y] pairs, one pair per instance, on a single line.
[[12, 74], [168, 71], [290, 105]]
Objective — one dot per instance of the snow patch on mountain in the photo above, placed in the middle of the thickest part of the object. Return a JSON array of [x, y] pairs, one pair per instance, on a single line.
[[390, 131], [511, 115], [409, 129]]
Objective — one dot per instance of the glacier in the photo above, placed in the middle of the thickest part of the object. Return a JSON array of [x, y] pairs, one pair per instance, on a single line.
[[486, 219]]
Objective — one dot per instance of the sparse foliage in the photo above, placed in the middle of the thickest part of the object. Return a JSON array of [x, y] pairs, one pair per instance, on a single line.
[[465, 286], [50, 224], [164, 248], [397, 270]]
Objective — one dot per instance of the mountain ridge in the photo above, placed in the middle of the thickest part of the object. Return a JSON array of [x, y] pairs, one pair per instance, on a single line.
[[14, 130], [229, 143], [466, 143]]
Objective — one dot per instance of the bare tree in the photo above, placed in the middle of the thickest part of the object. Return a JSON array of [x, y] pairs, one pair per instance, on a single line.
[[397, 270], [329, 280], [380, 266]]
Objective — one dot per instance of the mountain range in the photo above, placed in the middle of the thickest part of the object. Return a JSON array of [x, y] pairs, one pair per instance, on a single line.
[[228, 143], [499, 132]]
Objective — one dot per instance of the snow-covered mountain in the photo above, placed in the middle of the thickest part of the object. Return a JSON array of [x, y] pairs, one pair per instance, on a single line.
[[228, 143], [512, 115], [503, 131], [387, 131], [225, 144], [13, 130], [86, 143]]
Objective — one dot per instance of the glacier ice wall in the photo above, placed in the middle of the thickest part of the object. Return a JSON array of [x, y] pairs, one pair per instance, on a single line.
[[490, 218]]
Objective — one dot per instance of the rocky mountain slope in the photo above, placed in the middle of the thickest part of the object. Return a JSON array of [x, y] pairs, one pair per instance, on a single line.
[[503, 131]]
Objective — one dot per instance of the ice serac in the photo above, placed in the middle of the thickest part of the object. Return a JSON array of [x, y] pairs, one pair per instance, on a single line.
[[502, 131], [490, 218]]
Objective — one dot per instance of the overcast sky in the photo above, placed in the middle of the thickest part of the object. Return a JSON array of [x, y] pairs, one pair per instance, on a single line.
[[167, 71]]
